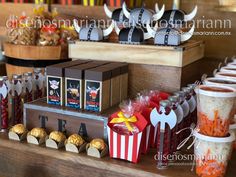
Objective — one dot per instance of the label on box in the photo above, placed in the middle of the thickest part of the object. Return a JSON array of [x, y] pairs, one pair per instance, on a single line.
[[54, 90], [73, 93], [93, 96]]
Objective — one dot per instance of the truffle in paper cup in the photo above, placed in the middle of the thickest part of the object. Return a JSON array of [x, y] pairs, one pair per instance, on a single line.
[[75, 143], [212, 154], [55, 140], [97, 148], [18, 132], [37, 136]]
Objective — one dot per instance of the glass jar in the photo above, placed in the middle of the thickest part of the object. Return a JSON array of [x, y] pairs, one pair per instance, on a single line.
[[175, 106], [38, 86], [3, 104], [186, 114], [28, 87], [163, 139], [17, 103]]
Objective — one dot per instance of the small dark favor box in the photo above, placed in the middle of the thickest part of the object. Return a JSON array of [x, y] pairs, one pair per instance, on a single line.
[[55, 81], [97, 89], [115, 93], [74, 83], [124, 69]]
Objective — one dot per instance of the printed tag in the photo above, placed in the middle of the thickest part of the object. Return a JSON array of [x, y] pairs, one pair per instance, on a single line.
[[54, 90], [92, 96], [73, 93]]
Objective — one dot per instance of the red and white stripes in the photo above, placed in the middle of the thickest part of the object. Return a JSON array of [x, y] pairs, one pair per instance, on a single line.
[[125, 147]]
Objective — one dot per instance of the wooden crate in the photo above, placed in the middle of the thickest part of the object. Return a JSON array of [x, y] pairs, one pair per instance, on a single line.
[[163, 67], [62, 118]]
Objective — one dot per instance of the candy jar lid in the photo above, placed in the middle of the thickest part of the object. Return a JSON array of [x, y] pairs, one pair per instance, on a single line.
[[5, 78], [174, 98], [37, 70], [192, 86], [186, 90], [17, 76], [179, 94], [165, 103], [30, 74]]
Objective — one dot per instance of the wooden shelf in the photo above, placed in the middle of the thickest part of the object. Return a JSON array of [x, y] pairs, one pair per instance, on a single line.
[[22, 159], [178, 56], [226, 8]]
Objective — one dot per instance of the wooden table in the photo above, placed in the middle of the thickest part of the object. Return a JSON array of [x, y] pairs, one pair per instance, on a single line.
[[25, 160]]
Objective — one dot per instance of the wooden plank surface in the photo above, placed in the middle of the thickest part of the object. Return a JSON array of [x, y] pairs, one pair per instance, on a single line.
[[179, 56], [22, 159], [149, 77]]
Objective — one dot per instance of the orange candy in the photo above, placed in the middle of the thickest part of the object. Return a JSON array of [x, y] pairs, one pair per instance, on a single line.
[[210, 167], [216, 127]]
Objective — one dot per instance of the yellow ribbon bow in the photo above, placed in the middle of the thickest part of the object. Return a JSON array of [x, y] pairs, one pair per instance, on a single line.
[[69, 28], [122, 119], [39, 10]]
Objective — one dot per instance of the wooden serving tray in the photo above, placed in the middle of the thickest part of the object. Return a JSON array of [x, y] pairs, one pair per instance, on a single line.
[[28, 52], [75, 121], [29, 160], [175, 56]]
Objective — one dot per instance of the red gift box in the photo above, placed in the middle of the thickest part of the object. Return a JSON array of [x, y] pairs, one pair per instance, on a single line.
[[126, 147]]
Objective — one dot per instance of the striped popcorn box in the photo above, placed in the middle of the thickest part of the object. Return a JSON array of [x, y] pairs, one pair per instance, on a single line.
[[145, 143], [153, 136], [126, 146]]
